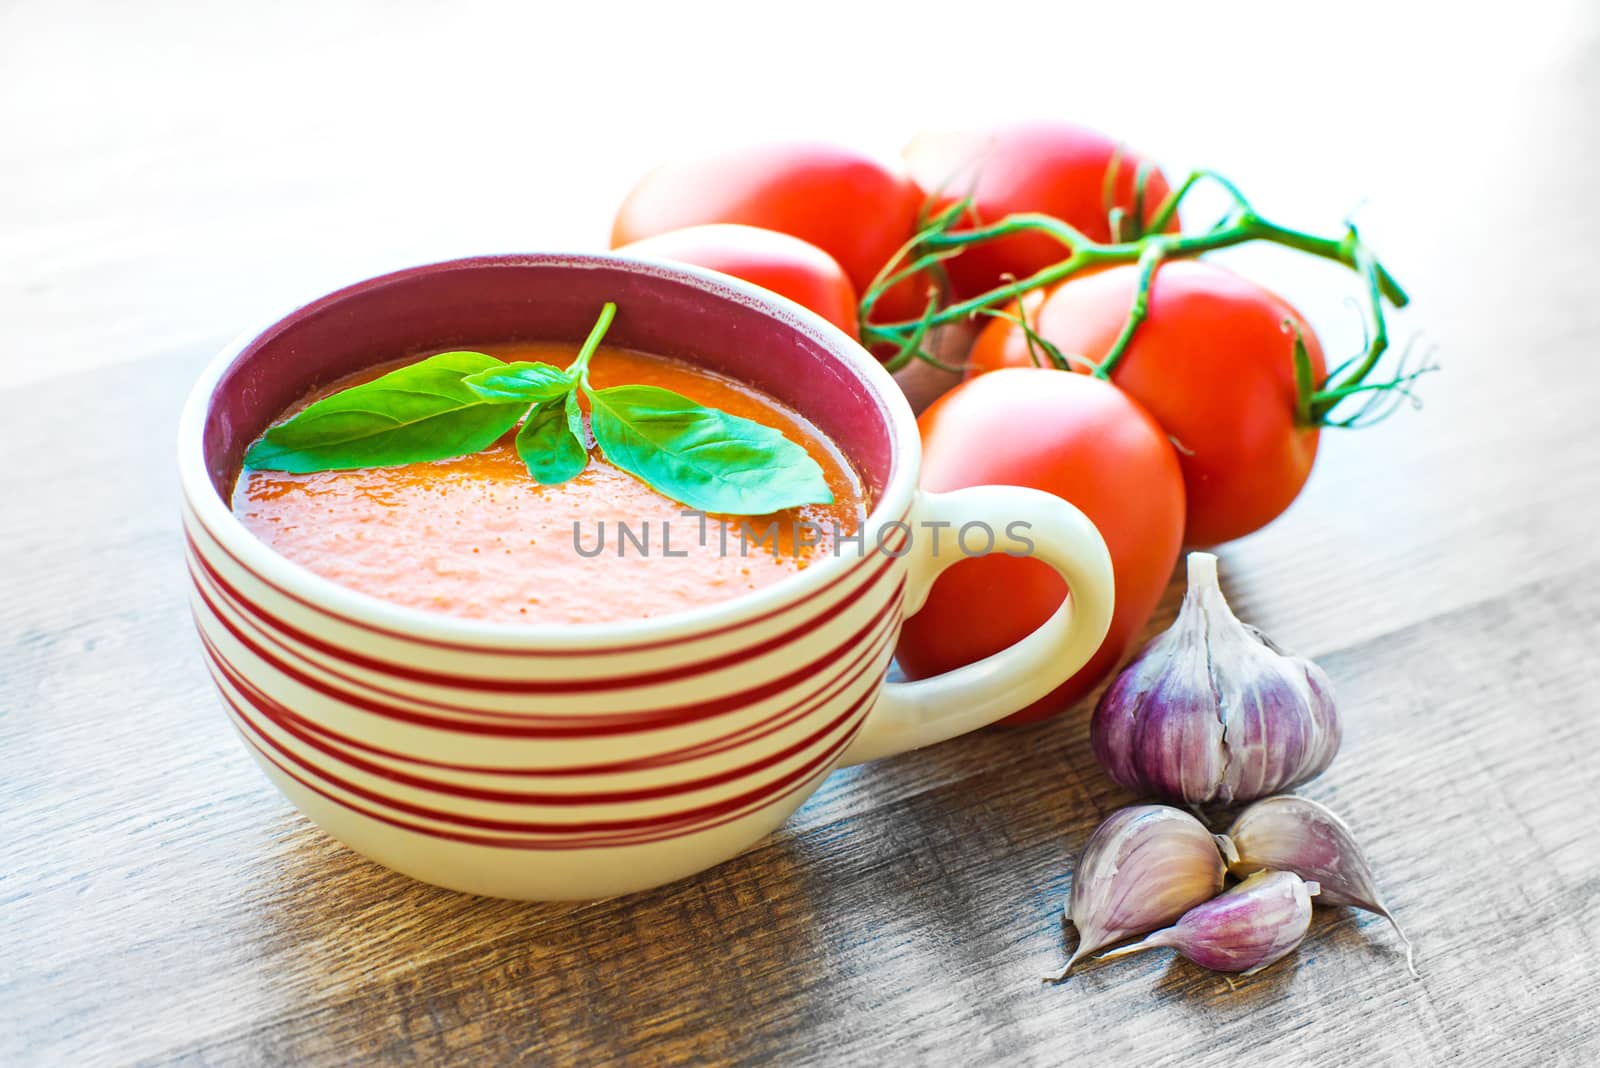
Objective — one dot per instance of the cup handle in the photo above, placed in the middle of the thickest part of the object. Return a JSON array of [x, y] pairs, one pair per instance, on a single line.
[[913, 714]]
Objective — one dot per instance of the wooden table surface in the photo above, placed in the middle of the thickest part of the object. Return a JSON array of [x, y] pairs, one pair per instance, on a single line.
[[171, 174]]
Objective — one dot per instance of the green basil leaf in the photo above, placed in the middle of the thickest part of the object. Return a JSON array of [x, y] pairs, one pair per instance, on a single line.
[[575, 419], [414, 414], [549, 448], [523, 381], [701, 456]]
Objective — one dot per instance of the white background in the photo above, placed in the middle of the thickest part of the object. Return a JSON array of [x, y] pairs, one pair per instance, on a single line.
[[172, 173]]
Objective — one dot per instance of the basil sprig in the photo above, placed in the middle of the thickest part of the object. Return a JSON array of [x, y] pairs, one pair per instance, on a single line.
[[426, 411], [457, 403]]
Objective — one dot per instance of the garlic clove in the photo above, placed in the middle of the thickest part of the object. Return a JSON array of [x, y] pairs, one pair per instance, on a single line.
[[1156, 729], [1297, 834], [1213, 710], [1279, 723], [1145, 866], [1254, 924]]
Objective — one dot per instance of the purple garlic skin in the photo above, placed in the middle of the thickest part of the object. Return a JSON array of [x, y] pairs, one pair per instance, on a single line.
[[1297, 834], [1251, 926], [1145, 866], [1212, 711]]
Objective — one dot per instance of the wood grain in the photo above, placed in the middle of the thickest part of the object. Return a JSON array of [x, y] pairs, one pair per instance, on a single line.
[[159, 902]]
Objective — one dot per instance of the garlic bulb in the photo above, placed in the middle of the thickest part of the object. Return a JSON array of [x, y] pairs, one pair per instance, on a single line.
[[1252, 925], [1299, 835], [1212, 710], [1146, 865]]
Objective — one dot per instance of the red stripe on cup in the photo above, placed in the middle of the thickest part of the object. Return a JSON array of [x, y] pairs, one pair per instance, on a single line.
[[539, 687], [361, 684], [519, 843], [864, 662], [262, 705], [536, 726], [262, 631], [679, 821]]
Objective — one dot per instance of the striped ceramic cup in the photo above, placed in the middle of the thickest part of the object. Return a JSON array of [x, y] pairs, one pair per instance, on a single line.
[[581, 761]]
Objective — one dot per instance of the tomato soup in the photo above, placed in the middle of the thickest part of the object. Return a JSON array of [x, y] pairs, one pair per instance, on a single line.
[[478, 537]]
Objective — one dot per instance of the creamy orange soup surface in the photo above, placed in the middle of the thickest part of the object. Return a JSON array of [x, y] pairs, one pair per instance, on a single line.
[[477, 537]]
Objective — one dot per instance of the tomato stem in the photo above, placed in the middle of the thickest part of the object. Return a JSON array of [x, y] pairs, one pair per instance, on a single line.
[[1304, 387], [1149, 260], [1148, 246], [580, 366], [1037, 343]]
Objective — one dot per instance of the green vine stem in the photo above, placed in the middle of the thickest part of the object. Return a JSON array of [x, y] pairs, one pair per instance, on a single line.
[[940, 239]]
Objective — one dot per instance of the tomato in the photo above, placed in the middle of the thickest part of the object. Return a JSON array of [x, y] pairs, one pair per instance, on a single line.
[[1056, 168], [786, 265], [854, 207], [1213, 362], [1085, 441]]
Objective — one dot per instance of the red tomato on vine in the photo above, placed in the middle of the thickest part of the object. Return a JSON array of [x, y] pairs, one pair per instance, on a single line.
[[784, 264], [1071, 172], [1083, 440], [1213, 363], [856, 208]]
